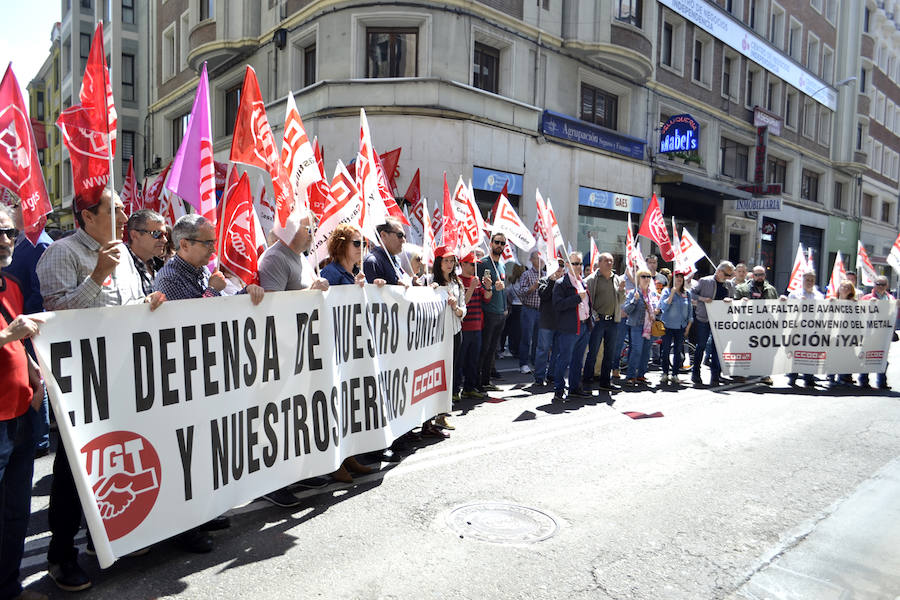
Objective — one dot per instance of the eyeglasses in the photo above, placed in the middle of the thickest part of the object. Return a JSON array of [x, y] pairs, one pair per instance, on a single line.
[[576, 264], [10, 233], [499, 242], [646, 276], [399, 234], [882, 284], [357, 243], [208, 243], [154, 234]]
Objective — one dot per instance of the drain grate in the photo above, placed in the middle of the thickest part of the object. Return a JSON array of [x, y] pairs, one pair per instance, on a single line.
[[502, 523]]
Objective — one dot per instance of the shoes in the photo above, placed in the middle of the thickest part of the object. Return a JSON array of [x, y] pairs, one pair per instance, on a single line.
[[642, 379], [354, 466], [810, 382], [441, 421], [766, 380], [664, 379], [473, 394], [632, 381], [792, 381], [615, 374], [557, 397], [739, 379], [282, 498], [196, 541], [39, 453], [69, 576], [490, 387], [697, 381], [579, 393], [430, 430], [539, 383], [220, 522], [525, 369], [31, 595], [884, 386], [342, 475]]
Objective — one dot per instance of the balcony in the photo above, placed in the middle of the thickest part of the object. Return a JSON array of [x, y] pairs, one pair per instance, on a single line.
[[628, 52], [203, 46], [862, 104]]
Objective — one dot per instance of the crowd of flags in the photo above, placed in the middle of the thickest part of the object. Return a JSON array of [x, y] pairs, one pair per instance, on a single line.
[[362, 193]]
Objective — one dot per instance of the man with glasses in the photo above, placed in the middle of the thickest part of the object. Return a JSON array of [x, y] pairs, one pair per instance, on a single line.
[[284, 266], [380, 266], [879, 292], [88, 269], [712, 287], [494, 310], [607, 293], [573, 322], [146, 232], [756, 288]]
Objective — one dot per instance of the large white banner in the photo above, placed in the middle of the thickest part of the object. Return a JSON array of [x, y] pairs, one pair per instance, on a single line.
[[767, 337], [172, 417]]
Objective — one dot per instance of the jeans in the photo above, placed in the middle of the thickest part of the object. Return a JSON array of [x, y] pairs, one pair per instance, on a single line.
[[16, 471], [606, 332], [469, 350], [620, 343], [64, 514], [490, 337], [547, 349], [511, 332], [639, 353], [41, 425], [529, 319], [672, 336], [570, 357], [880, 379], [703, 332]]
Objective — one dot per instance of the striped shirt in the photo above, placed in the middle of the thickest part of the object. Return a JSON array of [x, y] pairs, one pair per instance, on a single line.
[[528, 279], [180, 280], [474, 319]]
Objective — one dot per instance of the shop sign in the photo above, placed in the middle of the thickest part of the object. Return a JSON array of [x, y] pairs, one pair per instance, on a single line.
[[569, 128], [759, 204], [680, 133], [492, 181], [609, 200]]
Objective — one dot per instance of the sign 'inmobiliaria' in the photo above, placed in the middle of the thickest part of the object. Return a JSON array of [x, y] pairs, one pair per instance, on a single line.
[[173, 417], [680, 133]]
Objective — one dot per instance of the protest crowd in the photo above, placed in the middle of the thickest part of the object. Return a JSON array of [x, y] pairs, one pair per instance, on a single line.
[[574, 324]]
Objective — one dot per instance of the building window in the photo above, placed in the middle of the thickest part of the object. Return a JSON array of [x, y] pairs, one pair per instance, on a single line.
[[232, 102], [790, 109], [84, 48], [866, 16], [179, 126], [776, 171], [795, 40], [828, 65], [207, 9], [128, 11], [809, 118], [666, 49], [485, 68], [40, 106], [867, 202], [862, 80], [698, 60], [629, 11], [776, 31], [391, 52], [812, 54], [599, 107], [886, 212], [734, 158], [752, 14], [838, 195], [809, 186], [127, 150], [726, 76], [309, 65], [87, 4], [750, 98], [168, 52], [859, 136], [128, 77]]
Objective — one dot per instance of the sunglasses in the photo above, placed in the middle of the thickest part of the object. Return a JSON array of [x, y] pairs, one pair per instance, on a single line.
[[208, 243], [399, 234], [881, 284], [356, 243], [498, 242], [10, 233], [154, 234], [646, 276], [576, 264]]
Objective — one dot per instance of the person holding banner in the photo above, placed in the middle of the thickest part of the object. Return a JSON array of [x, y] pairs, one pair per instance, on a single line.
[[445, 275], [879, 292], [712, 287], [641, 306], [846, 291], [85, 270], [284, 266], [494, 310], [147, 237], [807, 291], [477, 293], [22, 395], [380, 263], [345, 248], [573, 322], [676, 313], [607, 293]]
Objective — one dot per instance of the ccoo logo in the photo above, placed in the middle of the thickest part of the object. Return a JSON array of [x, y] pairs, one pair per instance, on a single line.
[[124, 471]]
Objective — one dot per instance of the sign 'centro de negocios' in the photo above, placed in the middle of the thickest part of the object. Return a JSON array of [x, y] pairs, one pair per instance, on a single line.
[[679, 134]]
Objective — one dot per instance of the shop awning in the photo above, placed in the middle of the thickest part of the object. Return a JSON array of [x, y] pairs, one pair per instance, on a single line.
[[708, 186]]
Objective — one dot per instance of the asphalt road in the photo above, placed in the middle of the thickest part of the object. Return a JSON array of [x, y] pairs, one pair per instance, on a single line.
[[739, 492]]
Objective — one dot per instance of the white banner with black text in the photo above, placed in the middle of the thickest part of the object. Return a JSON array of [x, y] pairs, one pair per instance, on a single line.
[[172, 417]]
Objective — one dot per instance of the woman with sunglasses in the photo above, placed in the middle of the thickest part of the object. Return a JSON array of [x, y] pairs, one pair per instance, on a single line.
[[641, 307], [345, 248], [444, 275], [676, 314]]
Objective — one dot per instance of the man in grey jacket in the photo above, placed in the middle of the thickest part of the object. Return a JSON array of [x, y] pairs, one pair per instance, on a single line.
[[607, 292], [712, 287]]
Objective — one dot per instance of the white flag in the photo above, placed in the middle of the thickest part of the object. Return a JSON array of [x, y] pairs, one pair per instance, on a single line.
[[799, 268], [507, 222], [865, 270]]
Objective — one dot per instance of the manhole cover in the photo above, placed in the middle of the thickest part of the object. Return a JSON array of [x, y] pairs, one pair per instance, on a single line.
[[502, 523]]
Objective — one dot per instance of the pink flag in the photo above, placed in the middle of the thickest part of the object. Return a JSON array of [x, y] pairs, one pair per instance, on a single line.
[[193, 175], [838, 274], [129, 195]]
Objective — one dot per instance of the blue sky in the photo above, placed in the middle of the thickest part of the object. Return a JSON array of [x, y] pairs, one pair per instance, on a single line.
[[25, 36]]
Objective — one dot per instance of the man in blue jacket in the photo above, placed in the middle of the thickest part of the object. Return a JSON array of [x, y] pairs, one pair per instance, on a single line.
[[573, 324]]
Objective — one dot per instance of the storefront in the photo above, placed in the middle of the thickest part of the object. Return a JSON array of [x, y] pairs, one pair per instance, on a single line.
[[488, 183], [604, 215], [841, 237]]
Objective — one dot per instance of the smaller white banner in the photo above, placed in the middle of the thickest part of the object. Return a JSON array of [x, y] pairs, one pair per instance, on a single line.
[[768, 337]]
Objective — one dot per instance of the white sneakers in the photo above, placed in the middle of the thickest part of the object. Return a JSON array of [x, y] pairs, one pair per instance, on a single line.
[[524, 369]]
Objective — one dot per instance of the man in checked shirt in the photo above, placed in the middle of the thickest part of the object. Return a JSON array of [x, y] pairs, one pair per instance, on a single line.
[[89, 269]]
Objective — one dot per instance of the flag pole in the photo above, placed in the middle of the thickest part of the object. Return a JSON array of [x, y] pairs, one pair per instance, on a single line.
[[221, 236], [109, 150]]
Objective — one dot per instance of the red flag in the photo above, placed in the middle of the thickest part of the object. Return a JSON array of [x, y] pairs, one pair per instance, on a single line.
[[228, 188], [318, 192], [387, 194], [20, 170], [653, 226], [493, 212], [151, 194], [221, 169], [129, 194], [253, 144], [237, 245], [390, 160], [450, 235], [87, 126]]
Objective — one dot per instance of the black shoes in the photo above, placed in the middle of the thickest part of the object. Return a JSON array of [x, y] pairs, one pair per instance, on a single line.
[[282, 498], [69, 576], [195, 540]]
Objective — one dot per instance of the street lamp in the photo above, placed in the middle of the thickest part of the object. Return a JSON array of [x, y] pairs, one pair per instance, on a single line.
[[840, 83]]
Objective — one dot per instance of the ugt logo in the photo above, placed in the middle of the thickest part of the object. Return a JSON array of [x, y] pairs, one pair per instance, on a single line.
[[125, 475]]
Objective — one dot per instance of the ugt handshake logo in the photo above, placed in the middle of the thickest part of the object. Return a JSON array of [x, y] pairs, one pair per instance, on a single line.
[[125, 476]]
